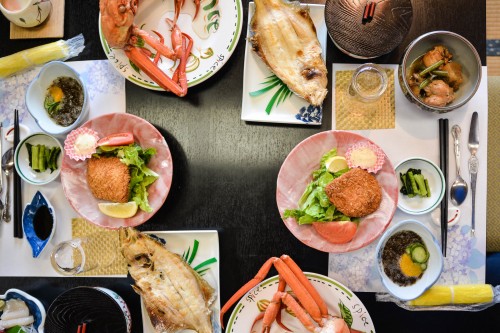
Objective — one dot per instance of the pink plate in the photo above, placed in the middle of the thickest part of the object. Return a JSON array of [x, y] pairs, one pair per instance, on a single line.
[[296, 173], [74, 173]]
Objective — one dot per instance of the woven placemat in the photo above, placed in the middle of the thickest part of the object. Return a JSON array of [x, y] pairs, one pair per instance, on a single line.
[[352, 114], [81, 228], [493, 197]]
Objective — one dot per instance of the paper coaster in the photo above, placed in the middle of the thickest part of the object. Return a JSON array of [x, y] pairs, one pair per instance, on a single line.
[[352, 114], [81, 228], [52, 27]]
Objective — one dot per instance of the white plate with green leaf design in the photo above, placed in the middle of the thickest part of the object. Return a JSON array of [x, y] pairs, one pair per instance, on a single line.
[[201, 250], [259, 107], [215, 32], [340, 300]]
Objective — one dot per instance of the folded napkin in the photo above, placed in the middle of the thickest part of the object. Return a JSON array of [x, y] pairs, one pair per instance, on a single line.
[[59, 50], [467, 297]]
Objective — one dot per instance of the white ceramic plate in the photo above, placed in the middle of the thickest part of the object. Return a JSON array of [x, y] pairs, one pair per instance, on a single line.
[[182, 241], [211, 50], [418, 205], [256, 72], [21, 159], [434, 265], [335, 294]]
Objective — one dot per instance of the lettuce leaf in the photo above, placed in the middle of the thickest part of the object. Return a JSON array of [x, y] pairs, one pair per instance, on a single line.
[[314, 205]]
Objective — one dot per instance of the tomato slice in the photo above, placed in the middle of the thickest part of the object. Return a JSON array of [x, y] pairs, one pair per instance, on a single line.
[[117, 139], [336, 232]]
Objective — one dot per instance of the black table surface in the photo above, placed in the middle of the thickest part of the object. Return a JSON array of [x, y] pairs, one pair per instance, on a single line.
[[225, 169]]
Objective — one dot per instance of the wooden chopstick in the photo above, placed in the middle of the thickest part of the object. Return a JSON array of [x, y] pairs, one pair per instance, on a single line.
[[18, 203], [443, 164]]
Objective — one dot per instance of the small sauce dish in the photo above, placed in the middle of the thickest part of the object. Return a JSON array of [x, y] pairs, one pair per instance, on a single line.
[[36, 308], [24, 131], [39, 223]]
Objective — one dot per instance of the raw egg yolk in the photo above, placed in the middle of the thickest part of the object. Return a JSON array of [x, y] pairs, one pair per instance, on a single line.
[[408, 267], [56, 93]]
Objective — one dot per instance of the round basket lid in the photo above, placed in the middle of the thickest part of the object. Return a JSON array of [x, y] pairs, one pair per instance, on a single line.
[[368, 37]]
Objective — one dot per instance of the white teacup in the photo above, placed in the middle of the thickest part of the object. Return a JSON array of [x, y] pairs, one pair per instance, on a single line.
[[26, 13]]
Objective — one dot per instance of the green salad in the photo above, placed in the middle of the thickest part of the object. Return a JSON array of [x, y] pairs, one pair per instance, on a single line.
[[141, 176], [314, 205]]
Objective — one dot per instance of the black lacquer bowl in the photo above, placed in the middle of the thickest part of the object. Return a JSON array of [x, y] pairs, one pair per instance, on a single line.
[[101, 309]]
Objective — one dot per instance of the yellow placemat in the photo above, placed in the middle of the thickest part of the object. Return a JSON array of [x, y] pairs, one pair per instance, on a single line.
[[493, 196], [352, 114], [52, 27], [81, 227]]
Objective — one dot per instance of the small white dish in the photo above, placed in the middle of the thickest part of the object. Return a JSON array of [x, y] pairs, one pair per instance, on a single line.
[[38, 225], [431, 172], [434, 263], [21, 159], [454, 215], [24, 131], [37, 310], [35, 97]]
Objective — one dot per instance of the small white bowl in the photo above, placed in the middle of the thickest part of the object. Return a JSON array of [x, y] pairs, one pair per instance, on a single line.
[[434, 264], [418, 205], [21, 159], [35, 97]]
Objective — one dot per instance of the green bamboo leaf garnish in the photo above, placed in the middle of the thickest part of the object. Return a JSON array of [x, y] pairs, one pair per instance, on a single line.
[[279, 96]]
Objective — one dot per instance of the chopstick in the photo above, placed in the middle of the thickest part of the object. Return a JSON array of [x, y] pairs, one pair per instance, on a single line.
[[18, 201], [82, 328], [443, 164]]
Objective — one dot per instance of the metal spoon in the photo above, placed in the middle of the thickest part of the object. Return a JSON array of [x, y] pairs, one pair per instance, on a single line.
[[7, 165], [458, 191]]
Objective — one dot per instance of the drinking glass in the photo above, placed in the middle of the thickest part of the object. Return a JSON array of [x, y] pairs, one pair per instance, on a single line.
[[368, 83], [84, 254]]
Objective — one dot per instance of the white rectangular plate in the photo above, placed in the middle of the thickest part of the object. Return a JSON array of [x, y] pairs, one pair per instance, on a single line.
[[180, 242], [256, 72]]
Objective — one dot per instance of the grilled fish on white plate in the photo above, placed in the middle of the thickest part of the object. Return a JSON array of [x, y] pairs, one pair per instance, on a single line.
[[285, 38], [174, 295]]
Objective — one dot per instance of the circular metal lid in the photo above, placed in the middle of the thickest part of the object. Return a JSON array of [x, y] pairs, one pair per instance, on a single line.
[[365, 36]]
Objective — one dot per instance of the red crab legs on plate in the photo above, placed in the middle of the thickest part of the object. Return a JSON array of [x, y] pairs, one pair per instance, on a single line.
[[309, 303], [117, 23]]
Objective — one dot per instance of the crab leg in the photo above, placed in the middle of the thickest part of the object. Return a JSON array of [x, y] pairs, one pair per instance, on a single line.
[[180, 3], [162, 49], [307, 285]]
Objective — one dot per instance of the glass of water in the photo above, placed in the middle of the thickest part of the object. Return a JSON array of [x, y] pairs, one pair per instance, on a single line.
[[368, 83], [84, 254]]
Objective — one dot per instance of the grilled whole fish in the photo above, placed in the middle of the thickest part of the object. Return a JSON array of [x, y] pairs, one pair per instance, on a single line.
[[285, 38], [175, 296]]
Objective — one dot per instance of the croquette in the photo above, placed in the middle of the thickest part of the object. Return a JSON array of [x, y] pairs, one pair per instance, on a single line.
[[356, 193], [108, 179]]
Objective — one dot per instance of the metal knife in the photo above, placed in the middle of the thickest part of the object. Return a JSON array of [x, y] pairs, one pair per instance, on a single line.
[[473, 164]]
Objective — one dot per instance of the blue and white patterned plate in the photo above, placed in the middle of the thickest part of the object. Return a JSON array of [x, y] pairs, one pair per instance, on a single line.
[[37, 310]]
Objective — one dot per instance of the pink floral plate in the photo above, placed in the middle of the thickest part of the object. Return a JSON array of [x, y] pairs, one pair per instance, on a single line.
[[296, 173], [74, 173]]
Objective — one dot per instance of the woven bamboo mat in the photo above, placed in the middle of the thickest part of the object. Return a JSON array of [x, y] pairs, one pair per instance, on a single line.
[[493, 197], [352, 114], [82, 228]]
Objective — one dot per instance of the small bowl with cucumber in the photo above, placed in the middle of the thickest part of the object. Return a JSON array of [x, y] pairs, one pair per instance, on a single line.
[[421, 185], [38, 158]]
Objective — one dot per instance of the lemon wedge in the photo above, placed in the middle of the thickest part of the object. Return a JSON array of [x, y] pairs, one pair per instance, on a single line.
[[118, 210], [336, 163]]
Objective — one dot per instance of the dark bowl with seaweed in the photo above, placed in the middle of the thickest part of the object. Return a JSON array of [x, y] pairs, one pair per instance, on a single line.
[[459, 52]]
